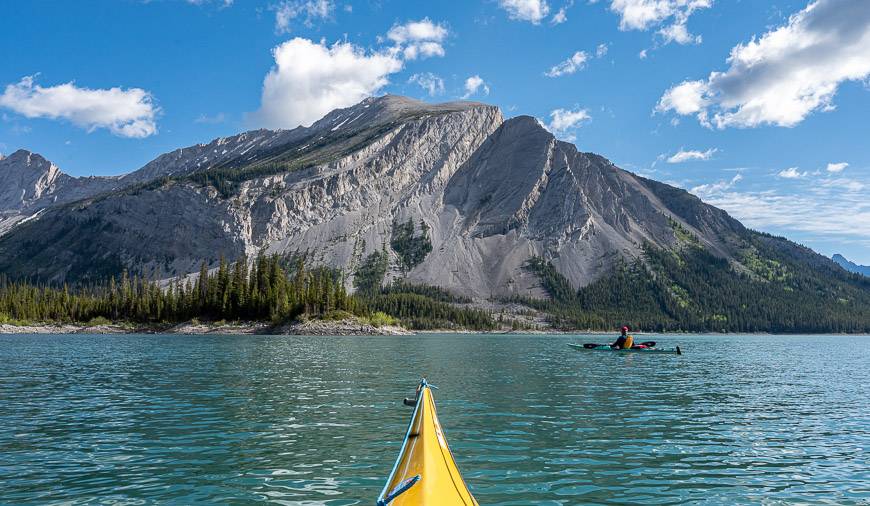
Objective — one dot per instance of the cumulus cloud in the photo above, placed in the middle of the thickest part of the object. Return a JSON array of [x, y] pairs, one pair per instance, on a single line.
[[837, 167], [310, 10], [125, 113], [533, 11], [687, 98], [792, 173], [560, 16], [564, 121], [473, 85], [689, 155], [576, 62], [787, 74], [419, 38], [310, 79], [433, 84], [678, 33], [673, 14]]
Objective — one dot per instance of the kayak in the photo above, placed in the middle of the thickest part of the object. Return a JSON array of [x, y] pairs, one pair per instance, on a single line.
[[425, 472], [604, 347]]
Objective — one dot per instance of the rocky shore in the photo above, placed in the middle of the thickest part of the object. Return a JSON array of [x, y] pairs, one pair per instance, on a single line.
[[346, 327]]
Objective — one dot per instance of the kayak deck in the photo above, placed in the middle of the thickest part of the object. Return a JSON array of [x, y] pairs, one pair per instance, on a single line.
[[671, 351], [425, 454]]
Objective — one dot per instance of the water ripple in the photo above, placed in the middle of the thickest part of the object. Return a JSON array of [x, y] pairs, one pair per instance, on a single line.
[[318, 421]]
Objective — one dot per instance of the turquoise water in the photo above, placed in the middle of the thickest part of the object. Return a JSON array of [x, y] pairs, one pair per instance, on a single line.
[[290, 420]]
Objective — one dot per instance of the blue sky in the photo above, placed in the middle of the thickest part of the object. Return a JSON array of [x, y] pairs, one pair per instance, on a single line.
[[757, 107]]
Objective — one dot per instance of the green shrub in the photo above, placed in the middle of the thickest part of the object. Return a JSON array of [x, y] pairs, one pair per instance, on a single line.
[[336, 315], [98, 320], [380, 319]]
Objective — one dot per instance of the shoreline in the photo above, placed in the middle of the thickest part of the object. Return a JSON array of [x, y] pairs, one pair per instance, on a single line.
[[347, 327]]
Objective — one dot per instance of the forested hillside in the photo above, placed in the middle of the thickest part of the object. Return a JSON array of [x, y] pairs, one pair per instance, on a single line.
[[693, 290]]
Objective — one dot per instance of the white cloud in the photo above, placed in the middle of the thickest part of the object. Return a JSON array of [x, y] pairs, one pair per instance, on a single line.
[[576, 62], [225, 3], [645, 14], [125, 113], [474, 84], [843, 183], [433, 84], [560, 16], [787, 74], [419, 38], [837, 167], [792, 173], [678, 33], [211, 120], [526, 10], [310, 79], [711, 189], [601, 50], [836, 208], [686, 98], [312, 10], [688, 155], [563, 121]]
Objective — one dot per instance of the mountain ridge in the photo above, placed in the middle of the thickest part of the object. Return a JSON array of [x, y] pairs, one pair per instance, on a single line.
[[453, 194]]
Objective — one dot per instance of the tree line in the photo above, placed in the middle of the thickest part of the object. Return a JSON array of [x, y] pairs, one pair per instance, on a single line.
[[269, 288]]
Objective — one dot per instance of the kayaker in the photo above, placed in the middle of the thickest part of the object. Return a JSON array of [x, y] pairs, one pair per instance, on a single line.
[[624, 341]]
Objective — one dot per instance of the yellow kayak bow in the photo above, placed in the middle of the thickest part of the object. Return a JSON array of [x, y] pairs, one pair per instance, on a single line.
[[425, 473]]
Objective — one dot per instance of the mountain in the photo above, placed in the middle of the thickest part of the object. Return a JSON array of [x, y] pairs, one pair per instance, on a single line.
[[454, 195], [864, 270], [30, 183]]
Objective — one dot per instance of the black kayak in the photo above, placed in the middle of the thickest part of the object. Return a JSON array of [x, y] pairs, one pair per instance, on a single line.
[[604, 347]]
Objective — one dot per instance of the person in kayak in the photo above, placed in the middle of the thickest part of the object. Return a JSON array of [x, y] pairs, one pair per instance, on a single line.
[[624, 341]]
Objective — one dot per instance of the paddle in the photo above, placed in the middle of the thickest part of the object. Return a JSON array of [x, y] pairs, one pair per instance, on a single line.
[[648, 344], [400, 489]]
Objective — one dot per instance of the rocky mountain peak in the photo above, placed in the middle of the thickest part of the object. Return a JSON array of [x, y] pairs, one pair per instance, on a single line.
[[24, 159], [26, 177], [386, 109]]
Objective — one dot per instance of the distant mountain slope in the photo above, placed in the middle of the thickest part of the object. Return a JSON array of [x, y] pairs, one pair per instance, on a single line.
[[456, 197], [851, 266]]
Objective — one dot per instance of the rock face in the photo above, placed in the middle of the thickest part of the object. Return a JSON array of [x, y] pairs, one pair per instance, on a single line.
[[492, 193], [29, 183]]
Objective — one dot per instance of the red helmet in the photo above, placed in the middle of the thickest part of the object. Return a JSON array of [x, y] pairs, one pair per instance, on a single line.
[[625, 328]]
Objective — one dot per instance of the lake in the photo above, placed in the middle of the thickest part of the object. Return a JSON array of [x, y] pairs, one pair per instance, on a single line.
[[314, 420]]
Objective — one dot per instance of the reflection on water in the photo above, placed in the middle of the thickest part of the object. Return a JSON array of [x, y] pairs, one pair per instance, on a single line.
[[738, 419]]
